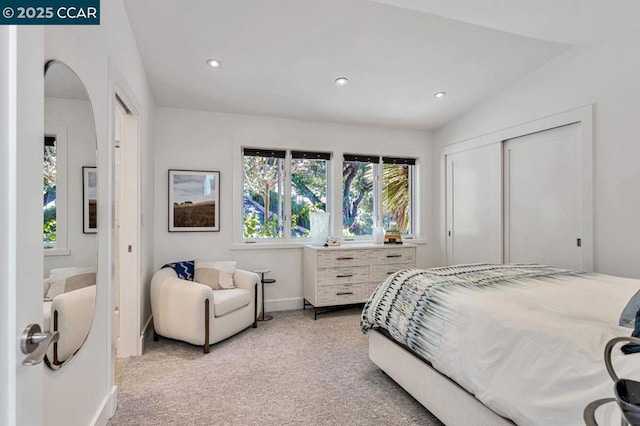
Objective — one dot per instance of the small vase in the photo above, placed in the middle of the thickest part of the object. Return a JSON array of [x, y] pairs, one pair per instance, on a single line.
[[319, 231]]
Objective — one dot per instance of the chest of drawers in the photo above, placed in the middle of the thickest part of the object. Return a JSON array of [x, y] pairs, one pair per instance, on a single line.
[[349, 274]]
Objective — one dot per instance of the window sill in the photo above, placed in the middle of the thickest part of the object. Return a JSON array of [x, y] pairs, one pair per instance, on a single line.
[[268, 246], [56, 252], [414, 241], [301, 244]]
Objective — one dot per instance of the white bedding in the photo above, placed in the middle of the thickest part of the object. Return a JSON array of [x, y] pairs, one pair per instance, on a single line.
[[534, 354]]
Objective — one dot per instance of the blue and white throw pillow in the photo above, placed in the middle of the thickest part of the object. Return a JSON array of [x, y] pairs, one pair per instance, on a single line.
[[184, 269]]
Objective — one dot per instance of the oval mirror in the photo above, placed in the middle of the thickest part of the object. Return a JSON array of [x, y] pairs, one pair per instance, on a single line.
[[69, 212]]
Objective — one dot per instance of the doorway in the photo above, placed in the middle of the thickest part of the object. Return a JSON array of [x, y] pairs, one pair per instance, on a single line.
[[125, 239]]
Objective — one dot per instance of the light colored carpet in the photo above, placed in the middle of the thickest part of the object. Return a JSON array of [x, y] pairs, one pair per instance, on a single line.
[[290, 370], [120, 364]]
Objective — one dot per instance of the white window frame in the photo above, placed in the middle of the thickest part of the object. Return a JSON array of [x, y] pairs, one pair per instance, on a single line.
[[286, 237], [412, 195], [377, 203], [60, 246]]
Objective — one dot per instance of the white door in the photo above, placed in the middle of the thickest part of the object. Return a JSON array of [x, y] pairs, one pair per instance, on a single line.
[[128, 201], [21, 250], [474, 205], [543, 204]]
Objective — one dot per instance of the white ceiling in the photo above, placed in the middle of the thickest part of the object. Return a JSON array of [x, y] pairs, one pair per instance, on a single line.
[[281, 57], [563, 21]]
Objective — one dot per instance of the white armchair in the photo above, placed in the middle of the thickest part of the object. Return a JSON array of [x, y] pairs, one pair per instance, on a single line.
[[69, 301], [194, 313]]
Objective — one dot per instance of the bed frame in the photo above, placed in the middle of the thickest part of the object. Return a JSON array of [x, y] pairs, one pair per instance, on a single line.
[[440, 395]]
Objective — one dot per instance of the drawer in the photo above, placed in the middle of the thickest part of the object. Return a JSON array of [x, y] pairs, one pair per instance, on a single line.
[[393, 255], [380, 272], [343, 275], [333, 258], [343, 294]]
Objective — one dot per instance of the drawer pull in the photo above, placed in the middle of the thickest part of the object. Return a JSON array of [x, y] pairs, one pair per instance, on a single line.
[[394, 255], [344, 258], [344, 276], [389, 273], [344, 293]]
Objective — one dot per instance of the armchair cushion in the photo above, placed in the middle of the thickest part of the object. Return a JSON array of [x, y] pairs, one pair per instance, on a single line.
[[215, 274], [63, 280], [227, 269], [227, 301]]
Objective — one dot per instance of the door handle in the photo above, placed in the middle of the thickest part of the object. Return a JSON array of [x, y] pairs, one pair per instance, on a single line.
[[35, 343]]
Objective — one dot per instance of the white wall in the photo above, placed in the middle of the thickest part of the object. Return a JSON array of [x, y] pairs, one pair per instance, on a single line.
[[605, 74], [79, 393], [76, 117], [194, 140]]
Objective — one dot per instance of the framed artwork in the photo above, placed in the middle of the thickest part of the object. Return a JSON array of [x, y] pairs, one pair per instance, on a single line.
[[194, 201], [90, 200]]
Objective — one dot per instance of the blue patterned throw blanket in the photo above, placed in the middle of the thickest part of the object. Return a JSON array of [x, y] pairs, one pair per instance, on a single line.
[[412, 304], [185, 269]]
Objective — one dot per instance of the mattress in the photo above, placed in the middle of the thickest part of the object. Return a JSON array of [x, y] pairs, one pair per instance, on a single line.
[[532, 351]]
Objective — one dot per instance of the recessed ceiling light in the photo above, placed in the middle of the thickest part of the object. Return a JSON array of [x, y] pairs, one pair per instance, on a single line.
[[342, 81], [439, 95], [214, 63]]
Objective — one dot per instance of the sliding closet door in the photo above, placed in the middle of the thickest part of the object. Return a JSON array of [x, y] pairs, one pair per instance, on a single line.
[[474, 205], [542, 198]]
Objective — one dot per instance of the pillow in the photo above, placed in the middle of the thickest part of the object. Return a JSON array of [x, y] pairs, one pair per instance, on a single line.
[[184, 269], [628, 316], [205, 273], [217, 275], [63, 284], [227, 269]]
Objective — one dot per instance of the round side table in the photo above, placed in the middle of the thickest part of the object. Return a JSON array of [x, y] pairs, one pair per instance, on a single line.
[[263, 281]]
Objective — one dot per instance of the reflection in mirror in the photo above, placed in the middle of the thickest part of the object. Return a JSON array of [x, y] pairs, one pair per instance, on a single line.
[[70, 241]]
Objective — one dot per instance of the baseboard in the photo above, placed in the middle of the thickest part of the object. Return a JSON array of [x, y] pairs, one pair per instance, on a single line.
[[283, 304], [146, 334], [107, 408]]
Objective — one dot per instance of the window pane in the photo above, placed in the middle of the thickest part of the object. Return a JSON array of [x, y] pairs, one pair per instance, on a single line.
[[49, 194], [262, 197], [357, 198], [396, 197], [308, 192]]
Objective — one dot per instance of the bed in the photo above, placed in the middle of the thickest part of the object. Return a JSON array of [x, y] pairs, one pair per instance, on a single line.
[[488, 344]]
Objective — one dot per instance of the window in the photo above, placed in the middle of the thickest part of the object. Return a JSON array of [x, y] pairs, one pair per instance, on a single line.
[[358, 182], [375, 194], [278, 185], [308, 188], [263, 193], [397, 194], [49, 192]]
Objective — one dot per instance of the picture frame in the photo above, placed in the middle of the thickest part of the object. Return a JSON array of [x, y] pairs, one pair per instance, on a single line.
[[90, 200], [194, 201]]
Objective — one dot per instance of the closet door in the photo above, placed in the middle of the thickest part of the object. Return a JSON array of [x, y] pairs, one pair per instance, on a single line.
[[474, 205], [543, 198]]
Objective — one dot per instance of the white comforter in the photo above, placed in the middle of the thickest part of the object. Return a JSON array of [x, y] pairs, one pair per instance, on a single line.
[[535, 354]]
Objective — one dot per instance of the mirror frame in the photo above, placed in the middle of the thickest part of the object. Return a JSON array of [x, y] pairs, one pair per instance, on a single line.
[[85, 294]]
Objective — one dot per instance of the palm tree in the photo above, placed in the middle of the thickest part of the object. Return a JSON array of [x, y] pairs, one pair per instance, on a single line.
[[395, 194]]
